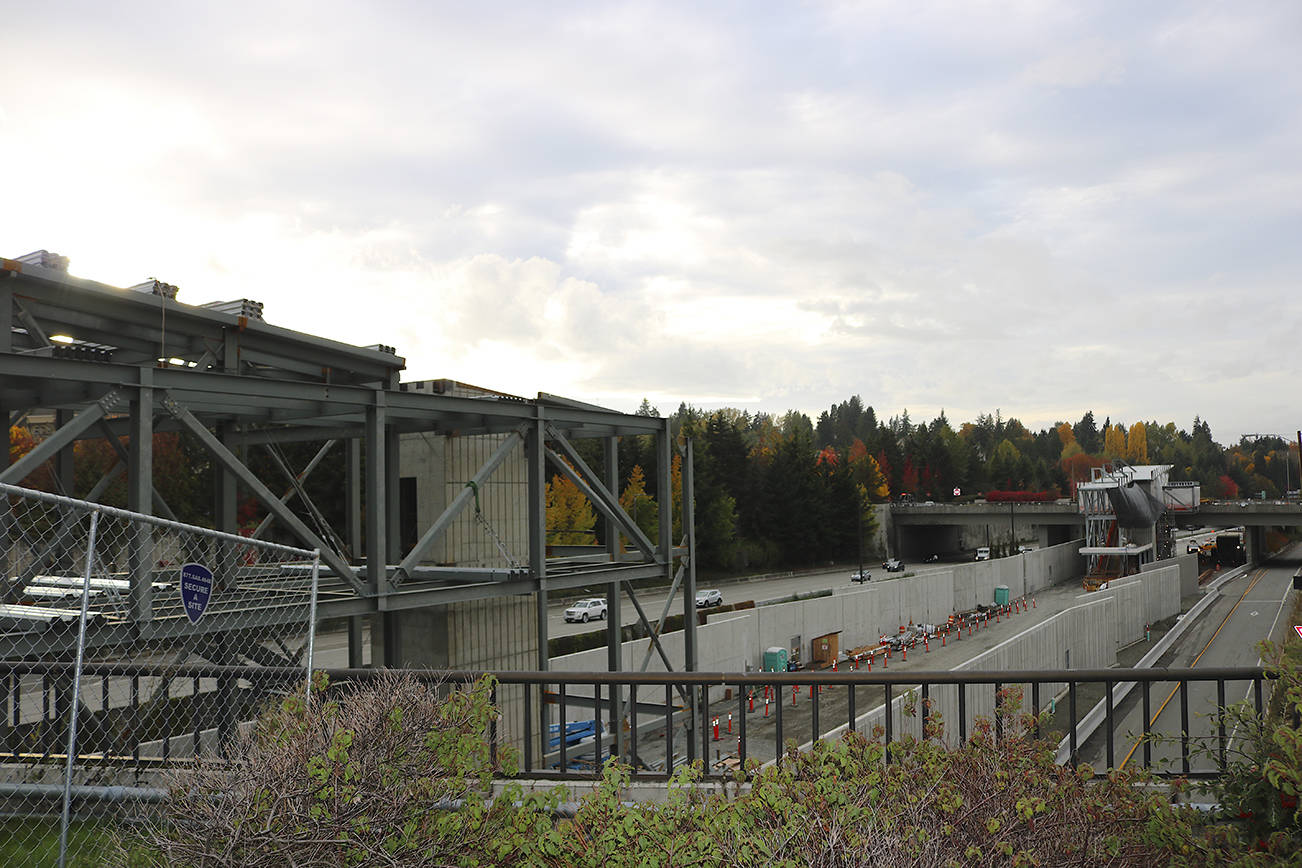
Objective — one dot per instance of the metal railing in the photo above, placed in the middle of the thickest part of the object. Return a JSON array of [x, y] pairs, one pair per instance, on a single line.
[[670, 719]]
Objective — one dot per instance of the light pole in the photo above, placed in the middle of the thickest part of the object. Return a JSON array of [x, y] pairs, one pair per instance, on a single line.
[[859, 500]]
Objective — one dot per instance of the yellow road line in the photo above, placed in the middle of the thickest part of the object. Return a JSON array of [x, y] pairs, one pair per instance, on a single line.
[[1256, 578]]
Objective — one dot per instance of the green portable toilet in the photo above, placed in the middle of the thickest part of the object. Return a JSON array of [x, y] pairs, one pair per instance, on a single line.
[[775, 659], [1001, 595]]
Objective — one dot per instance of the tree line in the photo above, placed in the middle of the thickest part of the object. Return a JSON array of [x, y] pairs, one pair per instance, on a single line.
[[787, 490], [772, 490]]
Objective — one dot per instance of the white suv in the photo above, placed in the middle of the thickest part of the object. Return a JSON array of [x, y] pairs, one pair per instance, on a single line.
[[586, 610], [708, 598]]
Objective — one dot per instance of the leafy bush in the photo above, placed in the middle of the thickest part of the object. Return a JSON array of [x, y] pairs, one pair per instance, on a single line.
[[396, 773], [1260, 818]]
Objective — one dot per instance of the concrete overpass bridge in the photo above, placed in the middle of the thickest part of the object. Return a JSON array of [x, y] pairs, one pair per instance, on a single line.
[[916, 530]]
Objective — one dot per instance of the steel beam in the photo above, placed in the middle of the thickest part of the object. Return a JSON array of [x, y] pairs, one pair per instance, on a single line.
[[295, 485], [655, 641], [603, 499], [124, 458], [52, 445], [611, 513], [664, 615], [228, 460], [463, 499], [35, 333]]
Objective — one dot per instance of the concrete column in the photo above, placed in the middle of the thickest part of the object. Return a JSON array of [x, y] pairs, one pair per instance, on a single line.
[[1253, 544]]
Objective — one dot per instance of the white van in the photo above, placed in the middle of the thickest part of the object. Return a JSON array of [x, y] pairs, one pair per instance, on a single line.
[[983, 553]]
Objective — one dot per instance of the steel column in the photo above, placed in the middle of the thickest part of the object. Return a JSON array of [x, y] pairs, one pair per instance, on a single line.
[[535, 472], [353, 520], [392, 499], [377, 532], [52, 445], [689, 529], [614, 611], [226, 487], [140, 489]]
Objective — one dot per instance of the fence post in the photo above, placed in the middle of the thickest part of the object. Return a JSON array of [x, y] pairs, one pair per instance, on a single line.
[[76, 692], [311, 625]]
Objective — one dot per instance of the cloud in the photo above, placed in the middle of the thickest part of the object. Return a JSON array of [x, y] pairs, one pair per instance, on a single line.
[[1036, 207]]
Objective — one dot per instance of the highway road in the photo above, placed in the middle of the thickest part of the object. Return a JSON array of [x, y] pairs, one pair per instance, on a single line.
[[838, 580], [1251, 607], [734, 591]]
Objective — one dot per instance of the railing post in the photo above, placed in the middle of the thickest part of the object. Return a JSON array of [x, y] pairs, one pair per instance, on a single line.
[[1071, 711], [1184, 725], [1148, 747], [64, 819], [1220, 729], [1107, 697]]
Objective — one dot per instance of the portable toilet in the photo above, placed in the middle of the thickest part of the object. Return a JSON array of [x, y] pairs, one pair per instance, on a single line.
[[1001, 595], [775, 659]]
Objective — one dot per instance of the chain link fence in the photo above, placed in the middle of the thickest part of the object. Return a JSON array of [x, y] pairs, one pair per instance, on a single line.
[[95, 602]]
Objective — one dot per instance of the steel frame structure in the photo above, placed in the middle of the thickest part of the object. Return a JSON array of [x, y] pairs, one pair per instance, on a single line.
[[113, 362]]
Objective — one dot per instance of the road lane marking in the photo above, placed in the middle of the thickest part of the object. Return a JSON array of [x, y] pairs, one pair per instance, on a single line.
[[1256, 578]]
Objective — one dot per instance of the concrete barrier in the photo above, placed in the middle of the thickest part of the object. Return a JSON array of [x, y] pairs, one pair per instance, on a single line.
[[1090, 723]]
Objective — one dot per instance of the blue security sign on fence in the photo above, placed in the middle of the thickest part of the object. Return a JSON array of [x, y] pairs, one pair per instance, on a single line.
[[196, 590]]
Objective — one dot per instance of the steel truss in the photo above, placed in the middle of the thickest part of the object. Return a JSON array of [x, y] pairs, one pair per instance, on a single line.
[[118, 363]]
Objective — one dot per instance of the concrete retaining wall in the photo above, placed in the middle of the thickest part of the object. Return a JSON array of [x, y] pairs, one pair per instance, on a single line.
[[974, 583], [1142, 599], [1188, 564], [861, 616], [1082, 637]]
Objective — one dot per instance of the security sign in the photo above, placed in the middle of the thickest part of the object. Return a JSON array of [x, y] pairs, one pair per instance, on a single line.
[[196, 590]]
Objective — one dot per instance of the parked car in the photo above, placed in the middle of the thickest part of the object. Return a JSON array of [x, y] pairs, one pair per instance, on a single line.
[[707, 598], [586, 610], [894, 565], [983, 553], [1191, 549], [931, 559], [861, 576]]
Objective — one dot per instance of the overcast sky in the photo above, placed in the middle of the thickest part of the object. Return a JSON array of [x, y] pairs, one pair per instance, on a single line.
[[1033, 207]]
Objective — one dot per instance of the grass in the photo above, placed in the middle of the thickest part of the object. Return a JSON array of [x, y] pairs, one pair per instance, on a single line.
[[34, 842]]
